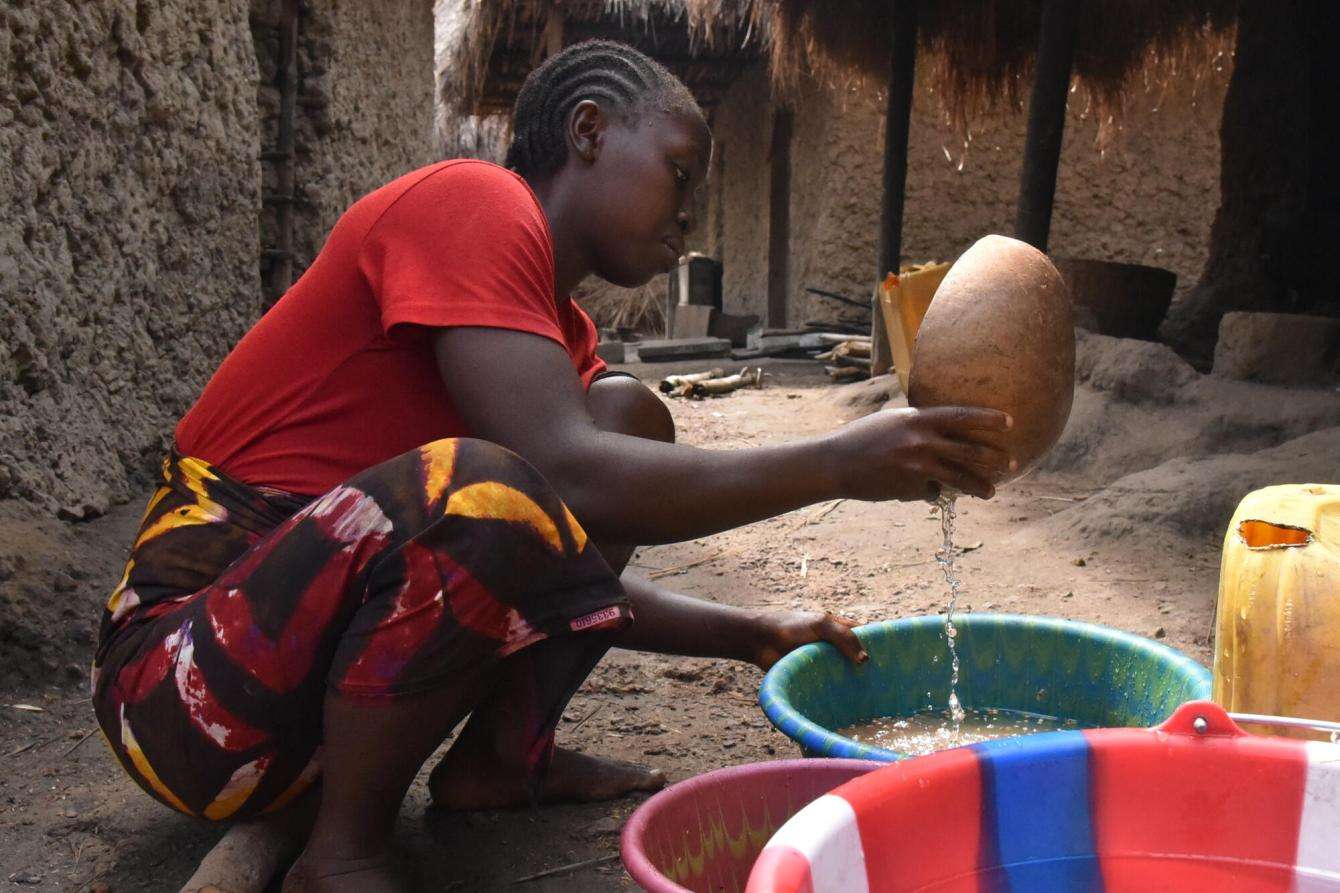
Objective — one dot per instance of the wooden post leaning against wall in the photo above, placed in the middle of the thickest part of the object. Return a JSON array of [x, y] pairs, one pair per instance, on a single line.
[[897, 126], [1046, 121]]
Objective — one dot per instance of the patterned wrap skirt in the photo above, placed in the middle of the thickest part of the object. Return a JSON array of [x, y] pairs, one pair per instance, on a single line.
[[241, 607]]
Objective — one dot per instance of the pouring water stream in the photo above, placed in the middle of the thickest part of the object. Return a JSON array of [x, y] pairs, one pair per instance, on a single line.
[[945, 557]]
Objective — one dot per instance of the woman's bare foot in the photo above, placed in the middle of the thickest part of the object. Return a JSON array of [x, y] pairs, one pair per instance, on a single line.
[[367, 875], [252, 852], [474, 782]]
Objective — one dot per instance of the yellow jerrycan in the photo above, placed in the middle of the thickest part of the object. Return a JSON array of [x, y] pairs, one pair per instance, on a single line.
[[1277, 625]]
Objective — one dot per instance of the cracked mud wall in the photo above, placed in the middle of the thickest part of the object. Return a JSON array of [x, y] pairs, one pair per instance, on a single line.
[[130, 215], [127, 232], [1149, 197]]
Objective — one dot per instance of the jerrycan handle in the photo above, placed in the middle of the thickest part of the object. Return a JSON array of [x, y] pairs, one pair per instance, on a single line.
[[1286, 722], [1203, 718]]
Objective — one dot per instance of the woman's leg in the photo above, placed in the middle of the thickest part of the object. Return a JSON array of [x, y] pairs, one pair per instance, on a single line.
[[368, 623], [481, 769], [487, 766], [373, 751], [371, 754]]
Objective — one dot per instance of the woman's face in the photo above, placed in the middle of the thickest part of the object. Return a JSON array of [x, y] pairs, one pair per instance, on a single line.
[[642, 190]]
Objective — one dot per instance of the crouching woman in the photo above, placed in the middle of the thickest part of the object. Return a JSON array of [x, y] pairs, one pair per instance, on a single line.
[[409, 493]]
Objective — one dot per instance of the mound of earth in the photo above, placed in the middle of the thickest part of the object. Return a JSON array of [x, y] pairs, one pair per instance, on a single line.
[[861, 398], [1193, 496], [1137, 404], [54, 577]]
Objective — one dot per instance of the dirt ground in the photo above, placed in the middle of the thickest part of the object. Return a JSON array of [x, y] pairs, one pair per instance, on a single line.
[[71, 820]]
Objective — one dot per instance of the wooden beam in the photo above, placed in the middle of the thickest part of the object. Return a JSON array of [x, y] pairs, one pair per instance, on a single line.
[[897, 125], [1046, 121], [779, 217]]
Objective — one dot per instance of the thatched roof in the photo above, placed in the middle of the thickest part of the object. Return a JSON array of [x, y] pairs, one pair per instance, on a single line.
[[978, 53], [496, 43], [981, 52]]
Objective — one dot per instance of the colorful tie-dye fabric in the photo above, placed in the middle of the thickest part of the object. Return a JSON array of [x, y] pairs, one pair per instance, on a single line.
[[239, 606]]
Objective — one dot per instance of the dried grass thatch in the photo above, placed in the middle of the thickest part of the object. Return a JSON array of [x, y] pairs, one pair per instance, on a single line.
[[493, 44], [980, 52], [611, 307]]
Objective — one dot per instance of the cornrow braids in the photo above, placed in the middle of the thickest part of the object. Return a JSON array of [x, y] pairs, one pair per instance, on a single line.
[[623, 80]]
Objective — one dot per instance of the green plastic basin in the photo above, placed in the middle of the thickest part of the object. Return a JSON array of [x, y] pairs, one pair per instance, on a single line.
[[1094, 675]]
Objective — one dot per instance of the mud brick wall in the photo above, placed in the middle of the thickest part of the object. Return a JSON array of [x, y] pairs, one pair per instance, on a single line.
[[128, 211]]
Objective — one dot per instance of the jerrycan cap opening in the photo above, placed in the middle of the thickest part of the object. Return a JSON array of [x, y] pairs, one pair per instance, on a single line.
[[1258, 534]]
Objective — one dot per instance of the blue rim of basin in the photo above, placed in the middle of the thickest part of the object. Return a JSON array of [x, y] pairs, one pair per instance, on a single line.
[[1095, 675]]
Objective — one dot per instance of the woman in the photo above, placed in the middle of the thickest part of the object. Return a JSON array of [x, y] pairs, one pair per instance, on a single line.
[[408, 494]]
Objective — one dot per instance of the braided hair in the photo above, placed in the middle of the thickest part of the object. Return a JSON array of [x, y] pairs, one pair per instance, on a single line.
[[622, 79]]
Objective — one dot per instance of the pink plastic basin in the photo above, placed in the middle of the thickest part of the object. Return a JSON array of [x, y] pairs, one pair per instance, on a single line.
[[1196, 804], [704, 833]]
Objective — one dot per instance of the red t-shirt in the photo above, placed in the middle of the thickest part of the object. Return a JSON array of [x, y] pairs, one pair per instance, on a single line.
[[339, 375]]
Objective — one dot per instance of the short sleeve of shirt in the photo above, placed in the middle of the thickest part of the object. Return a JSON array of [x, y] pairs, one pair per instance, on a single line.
[[467, 245], [582, 340]]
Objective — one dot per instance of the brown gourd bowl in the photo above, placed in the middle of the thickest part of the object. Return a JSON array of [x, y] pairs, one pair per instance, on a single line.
[[1000, 333]]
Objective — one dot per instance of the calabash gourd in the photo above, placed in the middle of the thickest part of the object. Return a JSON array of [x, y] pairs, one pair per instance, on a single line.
[[1000, 333], [1277, 625]]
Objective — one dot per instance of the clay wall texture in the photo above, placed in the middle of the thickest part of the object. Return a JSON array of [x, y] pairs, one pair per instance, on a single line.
[[1148, 196], [130, 212], [372, 60], [127, 232]]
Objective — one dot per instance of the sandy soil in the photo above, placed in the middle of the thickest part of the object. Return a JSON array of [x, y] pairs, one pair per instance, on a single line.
[[71, 820]]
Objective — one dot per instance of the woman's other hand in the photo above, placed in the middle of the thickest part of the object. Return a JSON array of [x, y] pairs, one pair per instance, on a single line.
[[785, 631]]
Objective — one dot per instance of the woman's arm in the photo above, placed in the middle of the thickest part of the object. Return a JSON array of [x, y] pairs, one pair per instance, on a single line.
[[521, 391]]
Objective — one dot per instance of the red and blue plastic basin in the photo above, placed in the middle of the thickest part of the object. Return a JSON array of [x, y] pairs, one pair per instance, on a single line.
[[1194, 805]]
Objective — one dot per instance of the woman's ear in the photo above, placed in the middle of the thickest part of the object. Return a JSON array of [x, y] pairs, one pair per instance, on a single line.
[[586, 130]]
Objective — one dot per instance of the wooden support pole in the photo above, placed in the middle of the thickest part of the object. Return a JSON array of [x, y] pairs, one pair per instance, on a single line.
[[1046, 120], [897, 124], [779, 218]]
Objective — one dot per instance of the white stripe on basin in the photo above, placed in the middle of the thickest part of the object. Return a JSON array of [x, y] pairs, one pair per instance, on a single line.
[[1318, 859], [826, 834]]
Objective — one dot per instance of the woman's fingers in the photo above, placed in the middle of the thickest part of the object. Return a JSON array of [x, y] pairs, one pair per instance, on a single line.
[[965, 419], [950, 474], [838, 632], [985, 459]]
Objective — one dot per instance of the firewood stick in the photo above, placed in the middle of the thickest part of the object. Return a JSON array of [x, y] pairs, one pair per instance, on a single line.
[[672, 382], [745, 378], [847, 373]]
